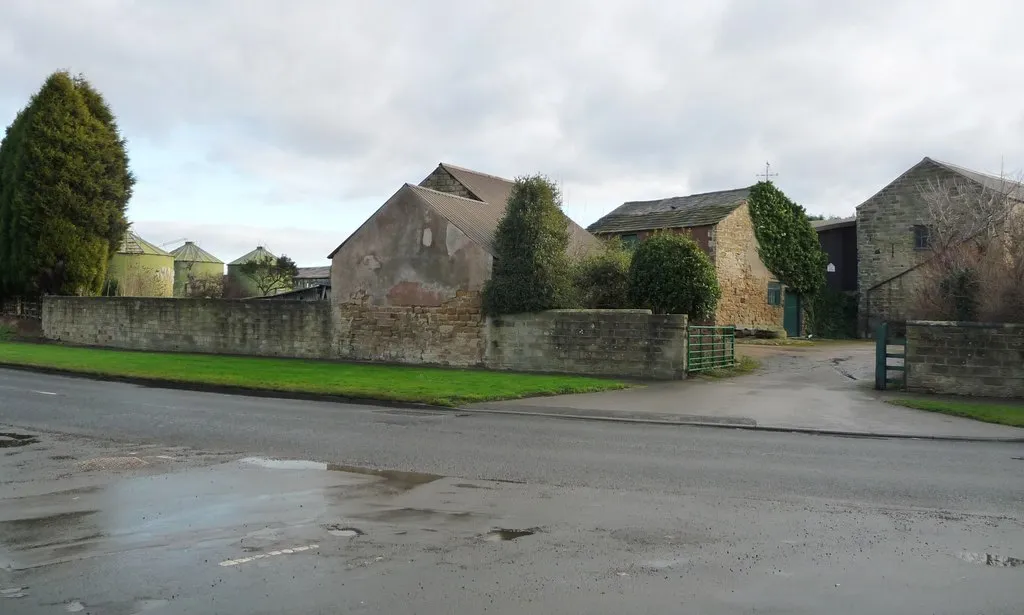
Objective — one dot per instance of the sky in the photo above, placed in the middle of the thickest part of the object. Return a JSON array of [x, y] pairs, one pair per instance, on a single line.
[[288, 123]]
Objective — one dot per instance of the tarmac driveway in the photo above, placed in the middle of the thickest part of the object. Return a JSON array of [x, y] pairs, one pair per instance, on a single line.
[[827, 388]]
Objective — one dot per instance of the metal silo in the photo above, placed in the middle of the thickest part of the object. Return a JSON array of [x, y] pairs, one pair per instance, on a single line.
[[192, 263], [140, 269], [241, 283]]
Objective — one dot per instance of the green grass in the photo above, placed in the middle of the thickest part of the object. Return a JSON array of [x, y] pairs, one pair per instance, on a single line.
[[989, 412], [442, 387], [744, 365]]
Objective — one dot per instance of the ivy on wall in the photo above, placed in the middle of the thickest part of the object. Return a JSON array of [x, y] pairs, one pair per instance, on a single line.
[[788, 244]]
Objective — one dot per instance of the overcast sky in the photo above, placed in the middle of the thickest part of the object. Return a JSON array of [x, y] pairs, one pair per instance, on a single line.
[[287, 123]]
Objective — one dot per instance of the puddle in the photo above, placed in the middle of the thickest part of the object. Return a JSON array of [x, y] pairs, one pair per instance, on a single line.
[[343, 532], [502, 535], [411, 514], [989, 559], [398, 479], [74, 607], [48, 531], [10, 440], [472, 486]]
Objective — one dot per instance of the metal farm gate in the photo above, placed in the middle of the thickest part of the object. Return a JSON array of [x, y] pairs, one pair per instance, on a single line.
[[710, 348]]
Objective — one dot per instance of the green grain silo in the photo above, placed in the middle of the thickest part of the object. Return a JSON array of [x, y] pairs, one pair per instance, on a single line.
[[141, 269], [192, 263], [239, 283]]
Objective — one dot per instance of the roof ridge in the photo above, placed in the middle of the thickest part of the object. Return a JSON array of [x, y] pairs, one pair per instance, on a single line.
[[956, 168], [448, 165], [686, 196]]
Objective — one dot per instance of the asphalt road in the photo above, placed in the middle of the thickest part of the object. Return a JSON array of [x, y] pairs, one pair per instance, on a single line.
[[628, 518]]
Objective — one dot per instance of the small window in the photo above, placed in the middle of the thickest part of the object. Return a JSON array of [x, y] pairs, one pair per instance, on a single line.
[[922, 240], [630, 240], [774, 293]]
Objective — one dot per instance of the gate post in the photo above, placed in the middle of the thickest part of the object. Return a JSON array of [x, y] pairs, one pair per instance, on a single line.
[[881, 341]]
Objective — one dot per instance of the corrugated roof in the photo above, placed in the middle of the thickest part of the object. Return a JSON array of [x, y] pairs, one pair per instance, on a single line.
[[827, 225], [674, 212], [496, 190], [313, 273], [133, 244], [487, 188], [191, 253], [1002, 185], [260, 253], [479, 219]]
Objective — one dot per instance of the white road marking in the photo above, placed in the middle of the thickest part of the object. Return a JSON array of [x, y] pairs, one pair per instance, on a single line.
[[44, 392], [246, 560]]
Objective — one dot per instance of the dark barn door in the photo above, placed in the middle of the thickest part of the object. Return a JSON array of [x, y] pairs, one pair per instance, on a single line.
[[791, 315]]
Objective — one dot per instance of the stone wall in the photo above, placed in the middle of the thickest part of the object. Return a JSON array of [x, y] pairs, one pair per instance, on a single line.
[[263, 328], [885, 244], [742, 276], [965, 358], [622, 343], [451, 334], [442, 181], [619, 343]]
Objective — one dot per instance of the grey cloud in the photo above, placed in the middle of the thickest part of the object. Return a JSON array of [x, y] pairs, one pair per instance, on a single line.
[[344, 100]]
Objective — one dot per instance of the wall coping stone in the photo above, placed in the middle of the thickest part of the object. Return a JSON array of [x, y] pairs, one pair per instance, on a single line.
[[966, 325]]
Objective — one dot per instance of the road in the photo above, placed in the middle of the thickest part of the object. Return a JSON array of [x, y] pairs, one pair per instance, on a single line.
[[625, 518]]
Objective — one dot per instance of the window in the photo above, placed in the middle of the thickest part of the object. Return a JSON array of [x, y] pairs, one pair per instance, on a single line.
[[922, 241], [630, 240], [774, 293]]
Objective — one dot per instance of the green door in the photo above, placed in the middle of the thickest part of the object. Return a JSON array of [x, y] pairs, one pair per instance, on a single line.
[[791, 315]]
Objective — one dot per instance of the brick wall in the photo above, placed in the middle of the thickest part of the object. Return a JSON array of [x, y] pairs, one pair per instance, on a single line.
[[965, 358], [264, 328], [451, 334], [623, 343], [742, 276]]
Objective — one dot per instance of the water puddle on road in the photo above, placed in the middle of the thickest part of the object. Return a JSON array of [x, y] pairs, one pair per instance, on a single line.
[[343, 531], [10, 440], [989, 559], [398, 479]]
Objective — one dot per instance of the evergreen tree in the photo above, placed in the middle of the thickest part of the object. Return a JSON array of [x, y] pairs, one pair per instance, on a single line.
[[531, 269], [64, 188]]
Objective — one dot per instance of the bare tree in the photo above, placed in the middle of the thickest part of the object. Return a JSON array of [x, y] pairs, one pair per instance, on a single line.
[[975, 266], [209, 286]]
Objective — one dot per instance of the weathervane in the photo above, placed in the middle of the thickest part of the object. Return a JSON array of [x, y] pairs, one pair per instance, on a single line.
[[767, 175]]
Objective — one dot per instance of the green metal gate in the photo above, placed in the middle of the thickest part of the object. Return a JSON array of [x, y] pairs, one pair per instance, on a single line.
[[710, 348], [890, 346]]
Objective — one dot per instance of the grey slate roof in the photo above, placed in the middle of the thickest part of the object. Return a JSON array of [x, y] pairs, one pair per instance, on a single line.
[[674, 212], [827, 225], [314, 273], [191, 253], [260, 253]]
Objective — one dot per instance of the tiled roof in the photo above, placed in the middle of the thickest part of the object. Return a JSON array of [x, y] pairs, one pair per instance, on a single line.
[[826, 225], [133, 244], [259, 253], [191, 253], [674, 212], [313, 273]]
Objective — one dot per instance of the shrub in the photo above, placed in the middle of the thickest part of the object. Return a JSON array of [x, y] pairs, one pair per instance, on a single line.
[[602, 280], [531, 268], [670, 274], [832, 314]]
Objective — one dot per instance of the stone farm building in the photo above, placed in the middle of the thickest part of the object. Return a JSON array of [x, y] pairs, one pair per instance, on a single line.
[[430, 242], [893, 236], [720, 223]]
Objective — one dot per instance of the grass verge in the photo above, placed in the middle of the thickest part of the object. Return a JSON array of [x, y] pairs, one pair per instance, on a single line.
[[744, 365], [435, 386], [989, 412]]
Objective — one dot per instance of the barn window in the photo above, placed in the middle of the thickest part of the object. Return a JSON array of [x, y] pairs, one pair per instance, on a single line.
[[630, 240], [922, 240], [774, 293]]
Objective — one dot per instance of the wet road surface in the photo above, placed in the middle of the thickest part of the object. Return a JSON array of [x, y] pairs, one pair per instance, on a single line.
[[131, 500]]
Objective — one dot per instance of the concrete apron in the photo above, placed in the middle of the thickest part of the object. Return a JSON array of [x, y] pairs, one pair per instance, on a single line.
[[824, 390]]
